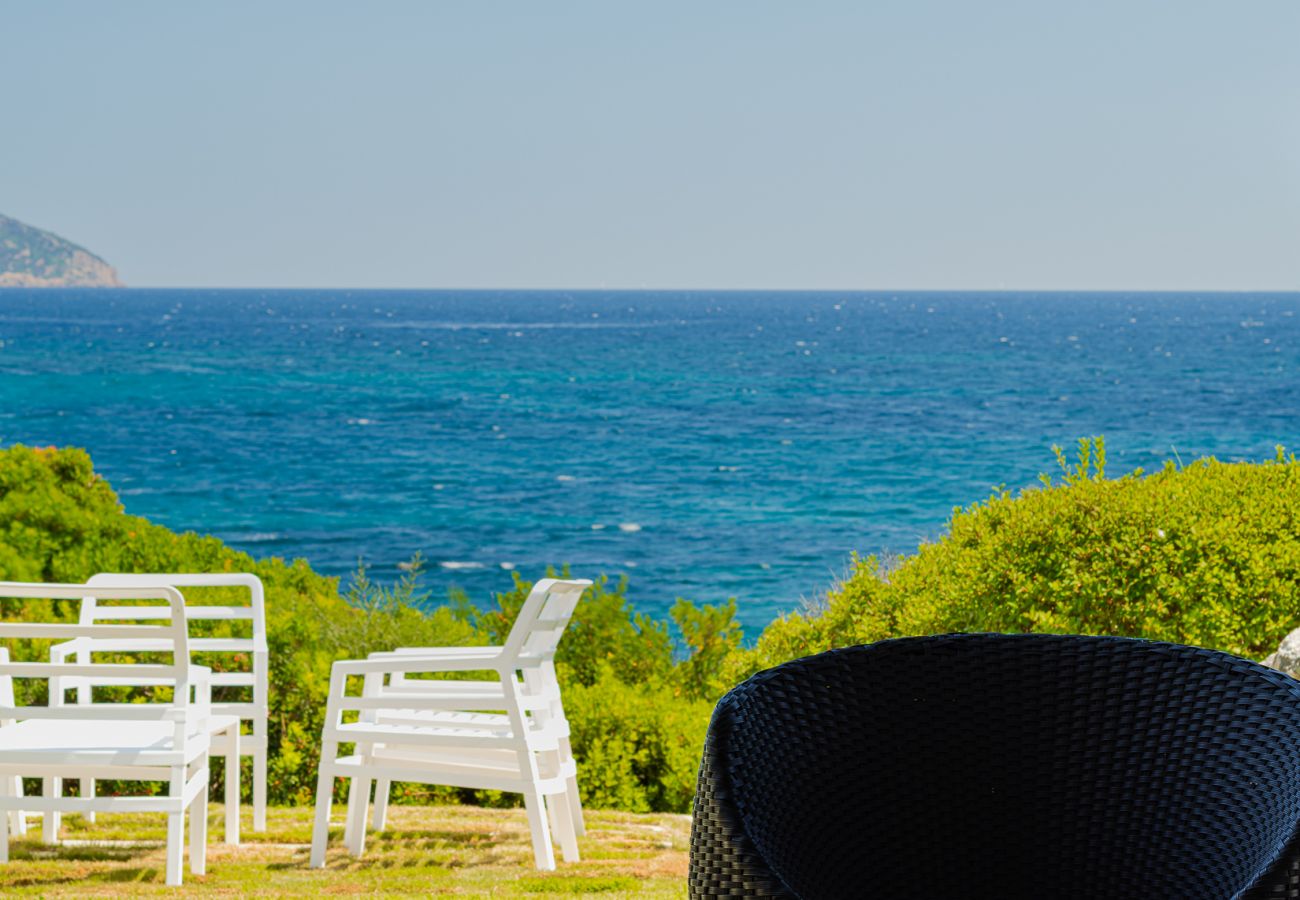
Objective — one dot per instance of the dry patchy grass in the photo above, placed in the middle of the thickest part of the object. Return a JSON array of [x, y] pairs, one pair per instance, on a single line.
[[452, 850]]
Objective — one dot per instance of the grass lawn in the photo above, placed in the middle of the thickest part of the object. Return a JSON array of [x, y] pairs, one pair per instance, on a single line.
[[453, 850]]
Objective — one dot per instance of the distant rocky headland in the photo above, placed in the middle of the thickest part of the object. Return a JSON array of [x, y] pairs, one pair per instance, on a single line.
[[30, 257]]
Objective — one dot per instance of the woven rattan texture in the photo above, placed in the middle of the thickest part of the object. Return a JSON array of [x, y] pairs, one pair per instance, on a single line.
[[1007, 766]]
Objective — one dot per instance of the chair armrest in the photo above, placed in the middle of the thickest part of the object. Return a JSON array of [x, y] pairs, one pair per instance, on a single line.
[[199, 677], [402, 663], [440, 652], [392, 704]]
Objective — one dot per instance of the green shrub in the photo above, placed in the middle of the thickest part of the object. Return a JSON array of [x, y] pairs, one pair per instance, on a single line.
[[1208, 554], [638, 744], [712, 636]]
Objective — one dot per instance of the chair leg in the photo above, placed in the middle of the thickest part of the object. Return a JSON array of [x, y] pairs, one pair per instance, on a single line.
[[176, 824], [175, 846], [350, 813], [88, 790], [4, 839], [575, 798], [199, 833], [543, 853], [321, 828], [12, 786], [232, 784], [575, 807], [52, 787], [358, 807], [259, 790], [382, 788], [562, 822], [20, 829]]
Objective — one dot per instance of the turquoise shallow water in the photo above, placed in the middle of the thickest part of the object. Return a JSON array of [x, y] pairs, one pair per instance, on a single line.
[[708, 445]]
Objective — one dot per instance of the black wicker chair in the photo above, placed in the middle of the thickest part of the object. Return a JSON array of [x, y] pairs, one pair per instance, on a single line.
[[1003, 766]]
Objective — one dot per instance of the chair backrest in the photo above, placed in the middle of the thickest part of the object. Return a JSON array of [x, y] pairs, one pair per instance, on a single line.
[[1010, 766], [165, 630], [253, 647], [541, 621]]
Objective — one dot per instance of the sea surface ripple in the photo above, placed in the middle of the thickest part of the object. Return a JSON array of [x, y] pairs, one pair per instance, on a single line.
[[708, 445]]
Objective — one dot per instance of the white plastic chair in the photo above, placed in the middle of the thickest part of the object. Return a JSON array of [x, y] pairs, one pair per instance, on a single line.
[[255, 679], [435, 731], [150, 741]]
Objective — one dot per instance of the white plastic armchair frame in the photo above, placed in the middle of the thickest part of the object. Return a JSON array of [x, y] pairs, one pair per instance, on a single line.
[[540, 683], [255, 679], [497, 734], [150, 741]]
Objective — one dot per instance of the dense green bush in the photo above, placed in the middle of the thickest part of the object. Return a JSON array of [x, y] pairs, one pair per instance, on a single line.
[[1207, 554], [640, 743]]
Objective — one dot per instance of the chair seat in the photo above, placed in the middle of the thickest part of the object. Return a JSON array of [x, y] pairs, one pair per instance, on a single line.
[[398, 729], [106, 742], [501, 760], [491, 770]]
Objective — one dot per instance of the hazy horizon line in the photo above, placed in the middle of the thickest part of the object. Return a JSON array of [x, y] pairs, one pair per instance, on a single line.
[[661, 290]]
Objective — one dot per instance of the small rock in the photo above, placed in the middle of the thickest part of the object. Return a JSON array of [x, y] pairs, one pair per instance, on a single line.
[[1287, 657]]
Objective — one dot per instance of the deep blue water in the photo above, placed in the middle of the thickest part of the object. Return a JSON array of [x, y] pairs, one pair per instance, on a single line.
[[708, 445]]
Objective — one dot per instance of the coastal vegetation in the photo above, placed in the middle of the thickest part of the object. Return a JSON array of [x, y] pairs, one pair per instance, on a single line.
[[1207, 554]]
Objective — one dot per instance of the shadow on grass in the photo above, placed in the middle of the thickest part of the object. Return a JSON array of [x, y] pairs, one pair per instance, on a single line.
[[376, 862], [42, 853], [44, 881], [79, 852], [120, 876], [433, 838], [406, 849], [571, 884]]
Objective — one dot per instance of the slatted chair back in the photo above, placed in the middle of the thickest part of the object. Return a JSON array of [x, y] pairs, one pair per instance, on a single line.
[[129, 617], [253, 648], [1010, 766], [541, 622]]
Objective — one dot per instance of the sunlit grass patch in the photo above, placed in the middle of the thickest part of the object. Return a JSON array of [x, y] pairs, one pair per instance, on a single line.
[[429, 850]]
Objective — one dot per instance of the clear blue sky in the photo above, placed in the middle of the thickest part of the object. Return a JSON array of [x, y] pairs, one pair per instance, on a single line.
[[1106, 145]]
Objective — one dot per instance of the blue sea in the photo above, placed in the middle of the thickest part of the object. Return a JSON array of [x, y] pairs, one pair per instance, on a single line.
[[707, 445]]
